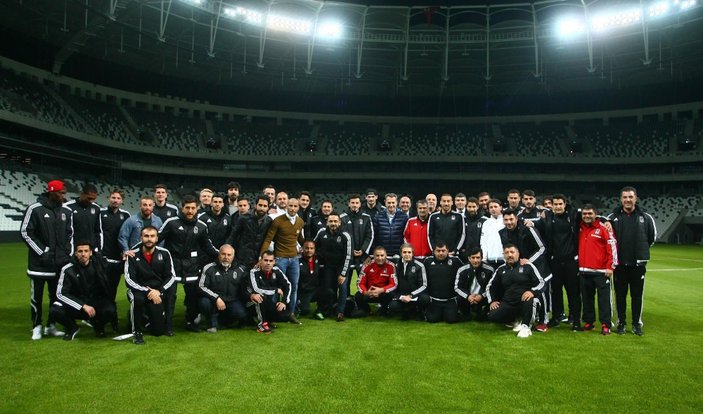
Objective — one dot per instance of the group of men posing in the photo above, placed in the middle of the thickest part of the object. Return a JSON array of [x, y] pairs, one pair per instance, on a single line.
[[451, 259]]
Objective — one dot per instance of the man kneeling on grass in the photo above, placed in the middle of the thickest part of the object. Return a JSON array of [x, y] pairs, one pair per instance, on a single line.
[[83, 293], [376, 282], [269, 293], [511, 292], [223, 285], [150, 278]]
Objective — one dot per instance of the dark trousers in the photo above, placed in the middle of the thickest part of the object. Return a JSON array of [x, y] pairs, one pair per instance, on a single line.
[[105, 312], [356, 263], [160, 316], [363, 302], [192, 294], [36, 289], [508, 312], [632, 278], [234, 311], [114, 274], [322, 295], [565, 276], [480, 310], [330, 275], [438, 311], [410, 309], [591, 283], [266, 310]]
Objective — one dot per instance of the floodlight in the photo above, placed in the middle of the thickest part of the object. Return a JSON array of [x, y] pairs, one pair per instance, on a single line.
[[570, 26], [607, 21], [658, 9], [288, 24], [329, 30], [196, 2]]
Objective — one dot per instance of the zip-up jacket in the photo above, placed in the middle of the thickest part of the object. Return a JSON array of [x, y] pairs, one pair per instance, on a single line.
[[472, 281], [86, 223], [131, 230], [112, 222], [639, 238], [228, 284], [440, 277], [314, 225], [247, 236], [268, 284], [360, 228], [47, 231], [380, 276], [309, 280], [79, 285], [334, 249], [490, 238], [474, 225], [527, 240], [218, 227], [186, 240], [415, 233], [509, 282], [372, 212], [165, 212], [389, 234], [560, 233], [533, 215], [412, 279], [449, 227], [141, 275], [597, 249]]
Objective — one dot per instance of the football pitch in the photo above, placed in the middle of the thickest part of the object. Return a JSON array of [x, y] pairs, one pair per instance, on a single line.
[[367, 365]]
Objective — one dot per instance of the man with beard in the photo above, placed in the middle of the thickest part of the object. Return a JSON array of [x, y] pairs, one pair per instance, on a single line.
[[446, 225], [311, 286], [249, 231], [217, 220], [186, 239], [151, 278], [286, 233], [279, 208], [512, 292], [441, 273], [46, 229], [360, 228], [269, 292], [162, 208], [112, 218], [306, 211], [513, 200], [319, 220], [84, 292], [223, 285], [470, 285], [233, 190], [130, 232], [415, 232], [483, 199], [531, 211], [86, 217], [334, 247], [474, 222], [371, 206], [490, 235]]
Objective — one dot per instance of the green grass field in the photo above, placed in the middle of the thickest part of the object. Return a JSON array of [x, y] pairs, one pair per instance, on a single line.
[[369, 365]]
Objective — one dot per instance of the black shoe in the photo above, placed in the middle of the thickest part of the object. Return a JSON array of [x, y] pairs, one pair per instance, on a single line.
[[169, 333], [292, 319], [70, 335], [115, 327], [576, 327], [562, 318], [622, 328], [100, 333], [637, 330], [192, 327], [554, 322], [138, 339]]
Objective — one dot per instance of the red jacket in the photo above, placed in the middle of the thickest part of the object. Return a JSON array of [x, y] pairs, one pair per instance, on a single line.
[[415, 233], [382, 276], [597, 251]]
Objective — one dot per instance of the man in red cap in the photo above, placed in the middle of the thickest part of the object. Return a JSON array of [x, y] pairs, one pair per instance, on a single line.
[[46, 229]]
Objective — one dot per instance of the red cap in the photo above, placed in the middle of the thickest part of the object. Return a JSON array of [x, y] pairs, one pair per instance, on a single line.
[[55, 185]]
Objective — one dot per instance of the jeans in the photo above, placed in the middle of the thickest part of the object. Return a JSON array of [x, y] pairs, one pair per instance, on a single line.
[[290, 266]]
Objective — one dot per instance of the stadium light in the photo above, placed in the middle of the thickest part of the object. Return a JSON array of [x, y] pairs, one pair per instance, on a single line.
[[685, 4], [195, 2], [570, 26], [606, 21], [288, 24], [330, 30], [658, 9]]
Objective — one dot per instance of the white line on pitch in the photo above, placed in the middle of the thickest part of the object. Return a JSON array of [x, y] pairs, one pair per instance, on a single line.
[[689, 269]]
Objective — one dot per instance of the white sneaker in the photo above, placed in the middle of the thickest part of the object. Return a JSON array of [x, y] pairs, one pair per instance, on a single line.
[[517, 326], [36, 333], [197, 320], [212, 330], [51, 330], [524, 331]]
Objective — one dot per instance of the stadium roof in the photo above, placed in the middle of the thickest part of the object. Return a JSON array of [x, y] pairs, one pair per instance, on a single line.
[[376, 49]]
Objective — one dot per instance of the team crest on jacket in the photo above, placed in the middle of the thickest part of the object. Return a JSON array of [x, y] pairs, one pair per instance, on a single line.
[[520, 270], [449, 262], [339, 239], [361, 221], [412, 270], [160, 257], [479, 224], [224, 222], [92, 210], [641, 219], [195, 230], [121, 216], [168, 213], [63, 216], [453, 217]]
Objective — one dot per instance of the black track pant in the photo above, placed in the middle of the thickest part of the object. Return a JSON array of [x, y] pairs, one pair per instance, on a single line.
[[565, 275], [410, 309], [160, 316], [114, 274], [266, 310], [632, 278], [508, 312], [192, 295], [322, 295], [234, 311], [592, 283], [36, 289], [438, 311], [363, 301], [479, 310], [105, 312]]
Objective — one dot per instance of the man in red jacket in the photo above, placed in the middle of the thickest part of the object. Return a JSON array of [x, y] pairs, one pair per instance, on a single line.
[[415, 232], [376, 282], [597, 259]]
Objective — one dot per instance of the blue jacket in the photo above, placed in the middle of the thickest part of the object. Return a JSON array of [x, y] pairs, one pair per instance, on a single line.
[[130, 232], [387, 234]]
